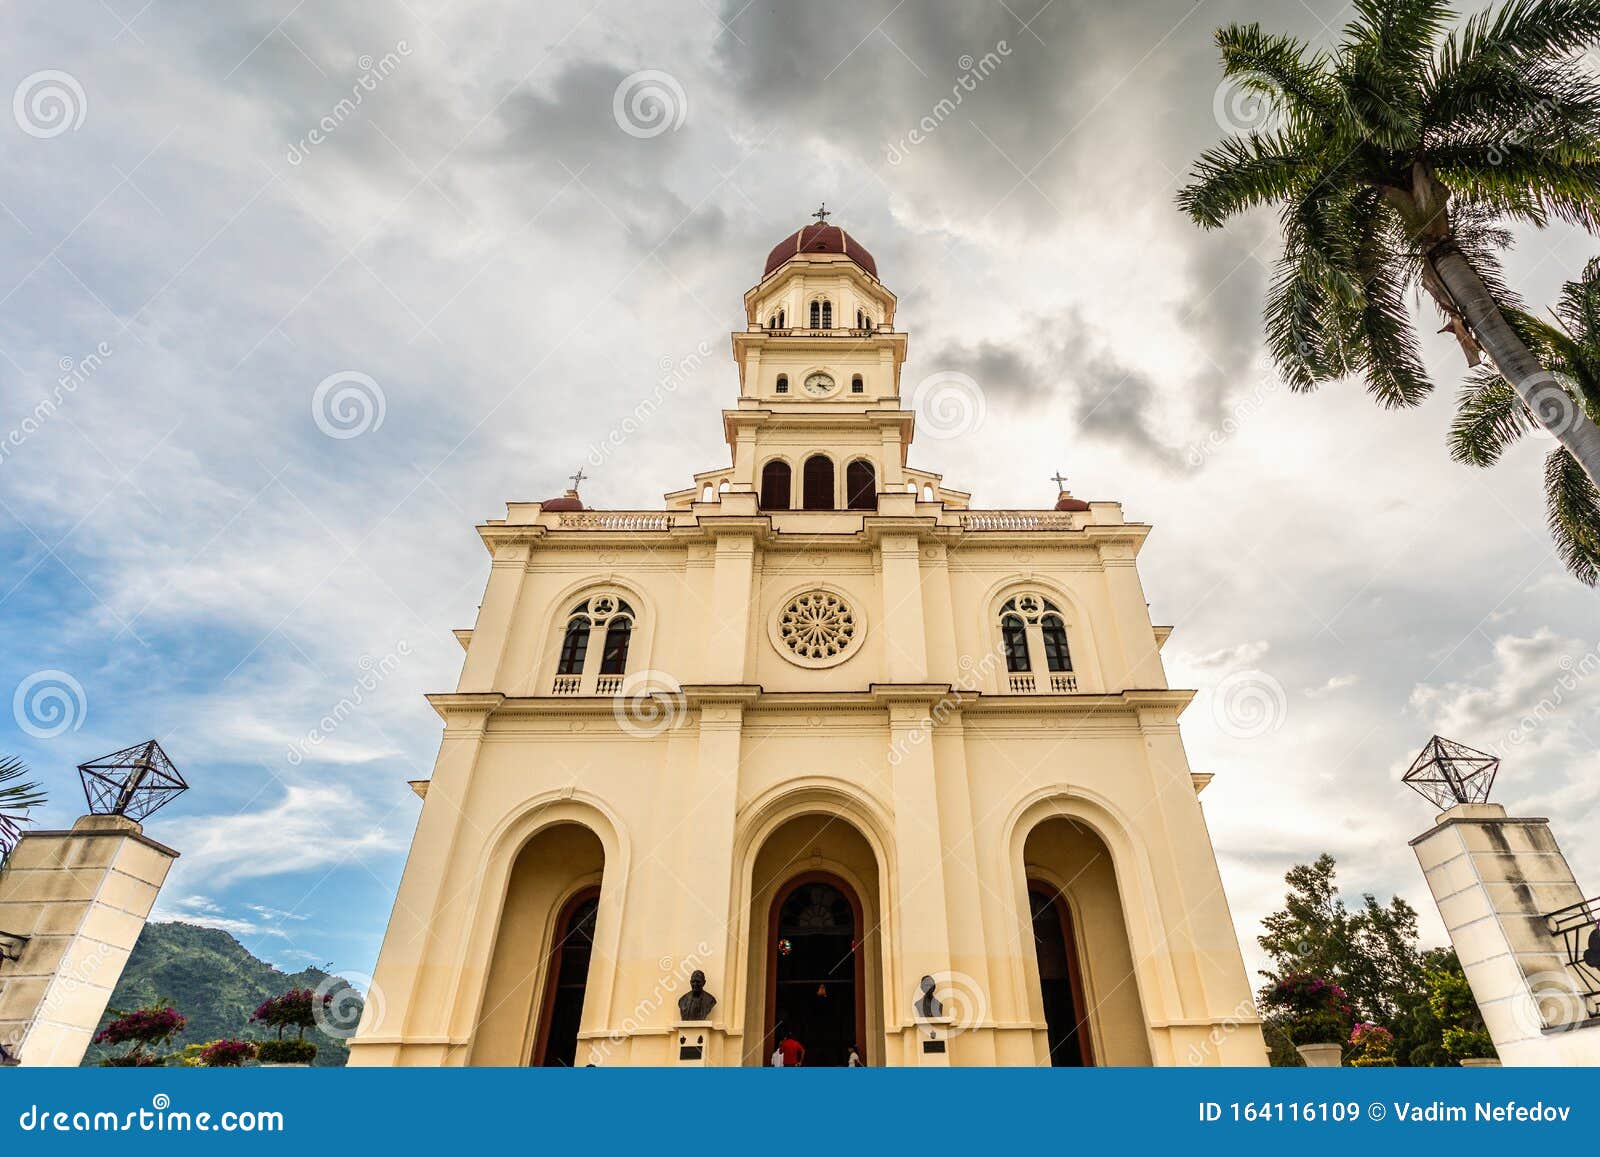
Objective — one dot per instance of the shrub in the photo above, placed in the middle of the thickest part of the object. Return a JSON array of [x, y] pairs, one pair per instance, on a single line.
[[286, 1052], [1373, 1044], [294, 1009], [1310, 1009], [142, 1028], [227, 1054]]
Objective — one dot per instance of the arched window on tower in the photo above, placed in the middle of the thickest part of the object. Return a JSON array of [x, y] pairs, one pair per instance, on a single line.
[[817, 483], [776, 485], [861, 485], [863, 320], [783, 384], [776, 320], [1033, 636], [857, 385], [822, 314], [585, 670]]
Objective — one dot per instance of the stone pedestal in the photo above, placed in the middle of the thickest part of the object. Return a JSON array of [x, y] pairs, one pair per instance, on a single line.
[[1321, 1056], [932, 1042], [1495, 878], [73, 903], [695, 1045]]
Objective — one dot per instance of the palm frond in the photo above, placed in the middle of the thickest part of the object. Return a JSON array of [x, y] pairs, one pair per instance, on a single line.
[[1573, 510], [1490, 416], [1240, 173], [17, 793], [1280, 67]]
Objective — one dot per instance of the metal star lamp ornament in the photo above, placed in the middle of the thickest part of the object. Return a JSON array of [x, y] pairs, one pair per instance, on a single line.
[[134, 782], [1448, 773]]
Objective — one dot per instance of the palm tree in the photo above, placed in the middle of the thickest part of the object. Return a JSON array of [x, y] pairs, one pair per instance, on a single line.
[[16, 793], [1491, 416], [1396, 158]]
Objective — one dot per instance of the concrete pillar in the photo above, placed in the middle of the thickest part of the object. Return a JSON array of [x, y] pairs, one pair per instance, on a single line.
[[80, 898], [905, 632], [1139, 665], [728, 617], [1495, 879], [481, 670]]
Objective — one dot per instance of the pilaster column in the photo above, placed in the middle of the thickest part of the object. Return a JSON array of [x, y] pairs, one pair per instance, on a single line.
[[1139, 664], [482, 667], [728, 618], [922, 926], [905, 631]]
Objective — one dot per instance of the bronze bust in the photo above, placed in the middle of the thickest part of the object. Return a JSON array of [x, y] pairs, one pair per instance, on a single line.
[[928, 1005], [697, 1003]]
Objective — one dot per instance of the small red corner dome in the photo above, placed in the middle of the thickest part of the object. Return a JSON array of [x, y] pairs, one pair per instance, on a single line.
[[568, 501], [1065, 503], [819, 239]]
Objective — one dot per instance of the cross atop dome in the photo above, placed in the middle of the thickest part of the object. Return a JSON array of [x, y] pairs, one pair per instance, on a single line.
[[822, 214]]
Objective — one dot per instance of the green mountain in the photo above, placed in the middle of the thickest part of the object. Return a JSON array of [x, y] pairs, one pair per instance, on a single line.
[[216, 983]]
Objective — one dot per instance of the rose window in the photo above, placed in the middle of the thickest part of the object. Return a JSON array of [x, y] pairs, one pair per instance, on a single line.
[[817, 626]]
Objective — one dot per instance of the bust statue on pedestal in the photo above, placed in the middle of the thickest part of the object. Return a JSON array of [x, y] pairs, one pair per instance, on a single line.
[[697, 1003]]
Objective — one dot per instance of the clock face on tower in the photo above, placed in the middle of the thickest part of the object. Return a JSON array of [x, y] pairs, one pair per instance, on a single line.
[[819, 384]]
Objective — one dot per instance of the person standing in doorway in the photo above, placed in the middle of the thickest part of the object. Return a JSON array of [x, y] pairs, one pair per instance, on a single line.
[[855, 1061], [794, 1053], [777, 1056]]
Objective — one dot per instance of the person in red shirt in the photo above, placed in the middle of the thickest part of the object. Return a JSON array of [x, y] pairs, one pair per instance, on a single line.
[[794, 1053]]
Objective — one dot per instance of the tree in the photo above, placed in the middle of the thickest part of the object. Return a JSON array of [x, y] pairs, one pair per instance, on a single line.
[[1397, 157], [1370, 952], [1491, 416]]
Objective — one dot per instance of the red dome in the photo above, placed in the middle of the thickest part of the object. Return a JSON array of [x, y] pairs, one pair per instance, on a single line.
[[568, 501], [1067, 503], [819, 239]]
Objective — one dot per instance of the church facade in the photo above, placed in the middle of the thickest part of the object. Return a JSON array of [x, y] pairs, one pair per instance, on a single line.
[[893, 775]]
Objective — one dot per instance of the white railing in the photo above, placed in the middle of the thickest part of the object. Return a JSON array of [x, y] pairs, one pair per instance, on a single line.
[[608, 685], [1017, 520], [614, 520], [1061, 682], [567, 685]]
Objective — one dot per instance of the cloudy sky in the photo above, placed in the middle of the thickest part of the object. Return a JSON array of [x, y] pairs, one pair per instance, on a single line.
[[462, 217]]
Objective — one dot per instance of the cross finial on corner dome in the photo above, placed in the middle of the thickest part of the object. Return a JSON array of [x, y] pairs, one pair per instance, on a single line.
[[578, 477], [1059, 479], [822, 214]]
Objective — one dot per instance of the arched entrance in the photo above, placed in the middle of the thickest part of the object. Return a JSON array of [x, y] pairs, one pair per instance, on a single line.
[[567, 978], [1060, 977], [814, 881], [816, 974]]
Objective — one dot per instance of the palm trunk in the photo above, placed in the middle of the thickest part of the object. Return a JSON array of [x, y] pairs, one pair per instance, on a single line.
[[1553, 407]]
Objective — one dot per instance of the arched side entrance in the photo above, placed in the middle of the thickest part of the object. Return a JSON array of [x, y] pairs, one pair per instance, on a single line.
[[567, 979], [1068, 864], [1066, 1012], [815, 884], [539, 967], [816, 979]]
